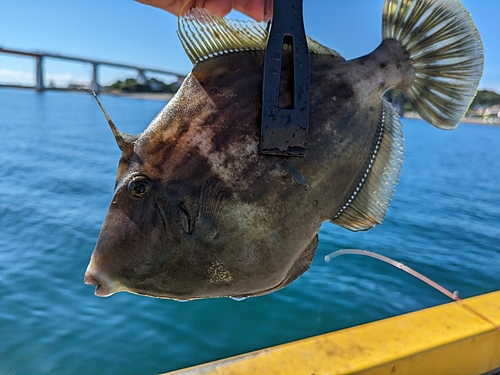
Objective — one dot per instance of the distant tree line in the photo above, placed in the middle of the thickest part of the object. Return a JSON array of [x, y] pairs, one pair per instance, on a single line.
[[484, 98], [152, 85]]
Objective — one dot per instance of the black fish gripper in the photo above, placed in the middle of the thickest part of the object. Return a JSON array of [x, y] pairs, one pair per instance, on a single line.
[[284, 128]]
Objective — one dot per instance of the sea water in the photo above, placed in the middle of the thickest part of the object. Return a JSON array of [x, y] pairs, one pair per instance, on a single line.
[[58, 162]]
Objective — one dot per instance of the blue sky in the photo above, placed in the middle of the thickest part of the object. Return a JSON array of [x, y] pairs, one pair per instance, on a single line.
[[129, 32]]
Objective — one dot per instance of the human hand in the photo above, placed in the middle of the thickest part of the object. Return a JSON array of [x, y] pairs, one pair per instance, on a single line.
[[252, 8]]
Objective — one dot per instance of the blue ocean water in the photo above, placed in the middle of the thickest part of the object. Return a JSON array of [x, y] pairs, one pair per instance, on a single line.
[[58, 162]]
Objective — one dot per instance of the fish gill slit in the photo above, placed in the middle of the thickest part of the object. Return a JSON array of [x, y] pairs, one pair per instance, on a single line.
[[187, 218], [164, 218], [366, 173]]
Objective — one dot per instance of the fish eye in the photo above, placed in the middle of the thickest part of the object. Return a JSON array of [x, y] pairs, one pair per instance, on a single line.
[[139, 187]]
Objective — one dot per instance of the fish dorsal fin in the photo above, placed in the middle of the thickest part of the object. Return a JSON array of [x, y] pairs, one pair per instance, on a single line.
[[318, 48], [204, 35], [370, 200]]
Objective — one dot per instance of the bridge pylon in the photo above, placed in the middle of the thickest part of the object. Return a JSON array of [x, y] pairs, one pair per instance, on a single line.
[[39, 86], [94, 84], [141, 77]]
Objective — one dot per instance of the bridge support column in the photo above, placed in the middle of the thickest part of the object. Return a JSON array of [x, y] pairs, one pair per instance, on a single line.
[[94, 85], [39, 86], [141, 77]]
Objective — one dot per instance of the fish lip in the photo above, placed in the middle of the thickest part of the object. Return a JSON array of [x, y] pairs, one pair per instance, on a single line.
[[104, 286], [90, 280], [102, 291]]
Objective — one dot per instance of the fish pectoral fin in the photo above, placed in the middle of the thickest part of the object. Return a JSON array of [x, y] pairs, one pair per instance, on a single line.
[[206, 228], [209, 216], [446, 52], [372, 196], [204, 36]]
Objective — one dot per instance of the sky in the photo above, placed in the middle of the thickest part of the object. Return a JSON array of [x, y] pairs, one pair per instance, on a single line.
[[128, 32]]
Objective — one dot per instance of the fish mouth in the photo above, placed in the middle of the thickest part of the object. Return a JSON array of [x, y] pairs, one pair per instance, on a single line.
[[104, 286]]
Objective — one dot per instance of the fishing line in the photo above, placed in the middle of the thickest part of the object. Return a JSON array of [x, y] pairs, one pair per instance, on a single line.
[[418, 275], [182, 9]]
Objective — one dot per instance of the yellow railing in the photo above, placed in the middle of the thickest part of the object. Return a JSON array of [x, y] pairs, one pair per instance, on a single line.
[[446, 339]]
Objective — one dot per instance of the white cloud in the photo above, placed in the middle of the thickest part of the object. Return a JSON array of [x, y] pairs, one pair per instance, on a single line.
[[9, 76], [63, 79], [58, 77], [20, 77]]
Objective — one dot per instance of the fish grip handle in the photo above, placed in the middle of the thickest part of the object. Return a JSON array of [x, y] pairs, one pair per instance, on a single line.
[[284, 130]]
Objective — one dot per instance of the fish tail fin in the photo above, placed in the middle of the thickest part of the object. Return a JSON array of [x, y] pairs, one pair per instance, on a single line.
[[446, 52]]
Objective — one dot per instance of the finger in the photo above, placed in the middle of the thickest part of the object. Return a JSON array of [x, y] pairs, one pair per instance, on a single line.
[[175, 6], [172, 6], [218, 7], [252, 8]]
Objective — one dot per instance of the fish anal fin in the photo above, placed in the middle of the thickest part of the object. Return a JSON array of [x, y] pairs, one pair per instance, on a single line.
[[375, 188]]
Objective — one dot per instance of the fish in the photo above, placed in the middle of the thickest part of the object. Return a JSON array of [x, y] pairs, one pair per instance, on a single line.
[[199, 212]]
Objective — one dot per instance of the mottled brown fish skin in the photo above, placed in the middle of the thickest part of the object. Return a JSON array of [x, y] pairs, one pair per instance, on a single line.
[[268, 221], [198, 212]]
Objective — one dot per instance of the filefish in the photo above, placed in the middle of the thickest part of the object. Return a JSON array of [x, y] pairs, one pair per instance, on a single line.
[[198, 212]]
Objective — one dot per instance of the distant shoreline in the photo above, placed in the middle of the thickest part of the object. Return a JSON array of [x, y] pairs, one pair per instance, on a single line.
[[165, 96], [465, 120], [141, 95]]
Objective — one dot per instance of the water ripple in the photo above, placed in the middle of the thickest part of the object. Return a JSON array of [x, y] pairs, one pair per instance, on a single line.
[[59, 160]]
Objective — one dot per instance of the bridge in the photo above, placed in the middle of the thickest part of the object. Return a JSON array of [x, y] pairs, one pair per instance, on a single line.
[[94, 83]]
